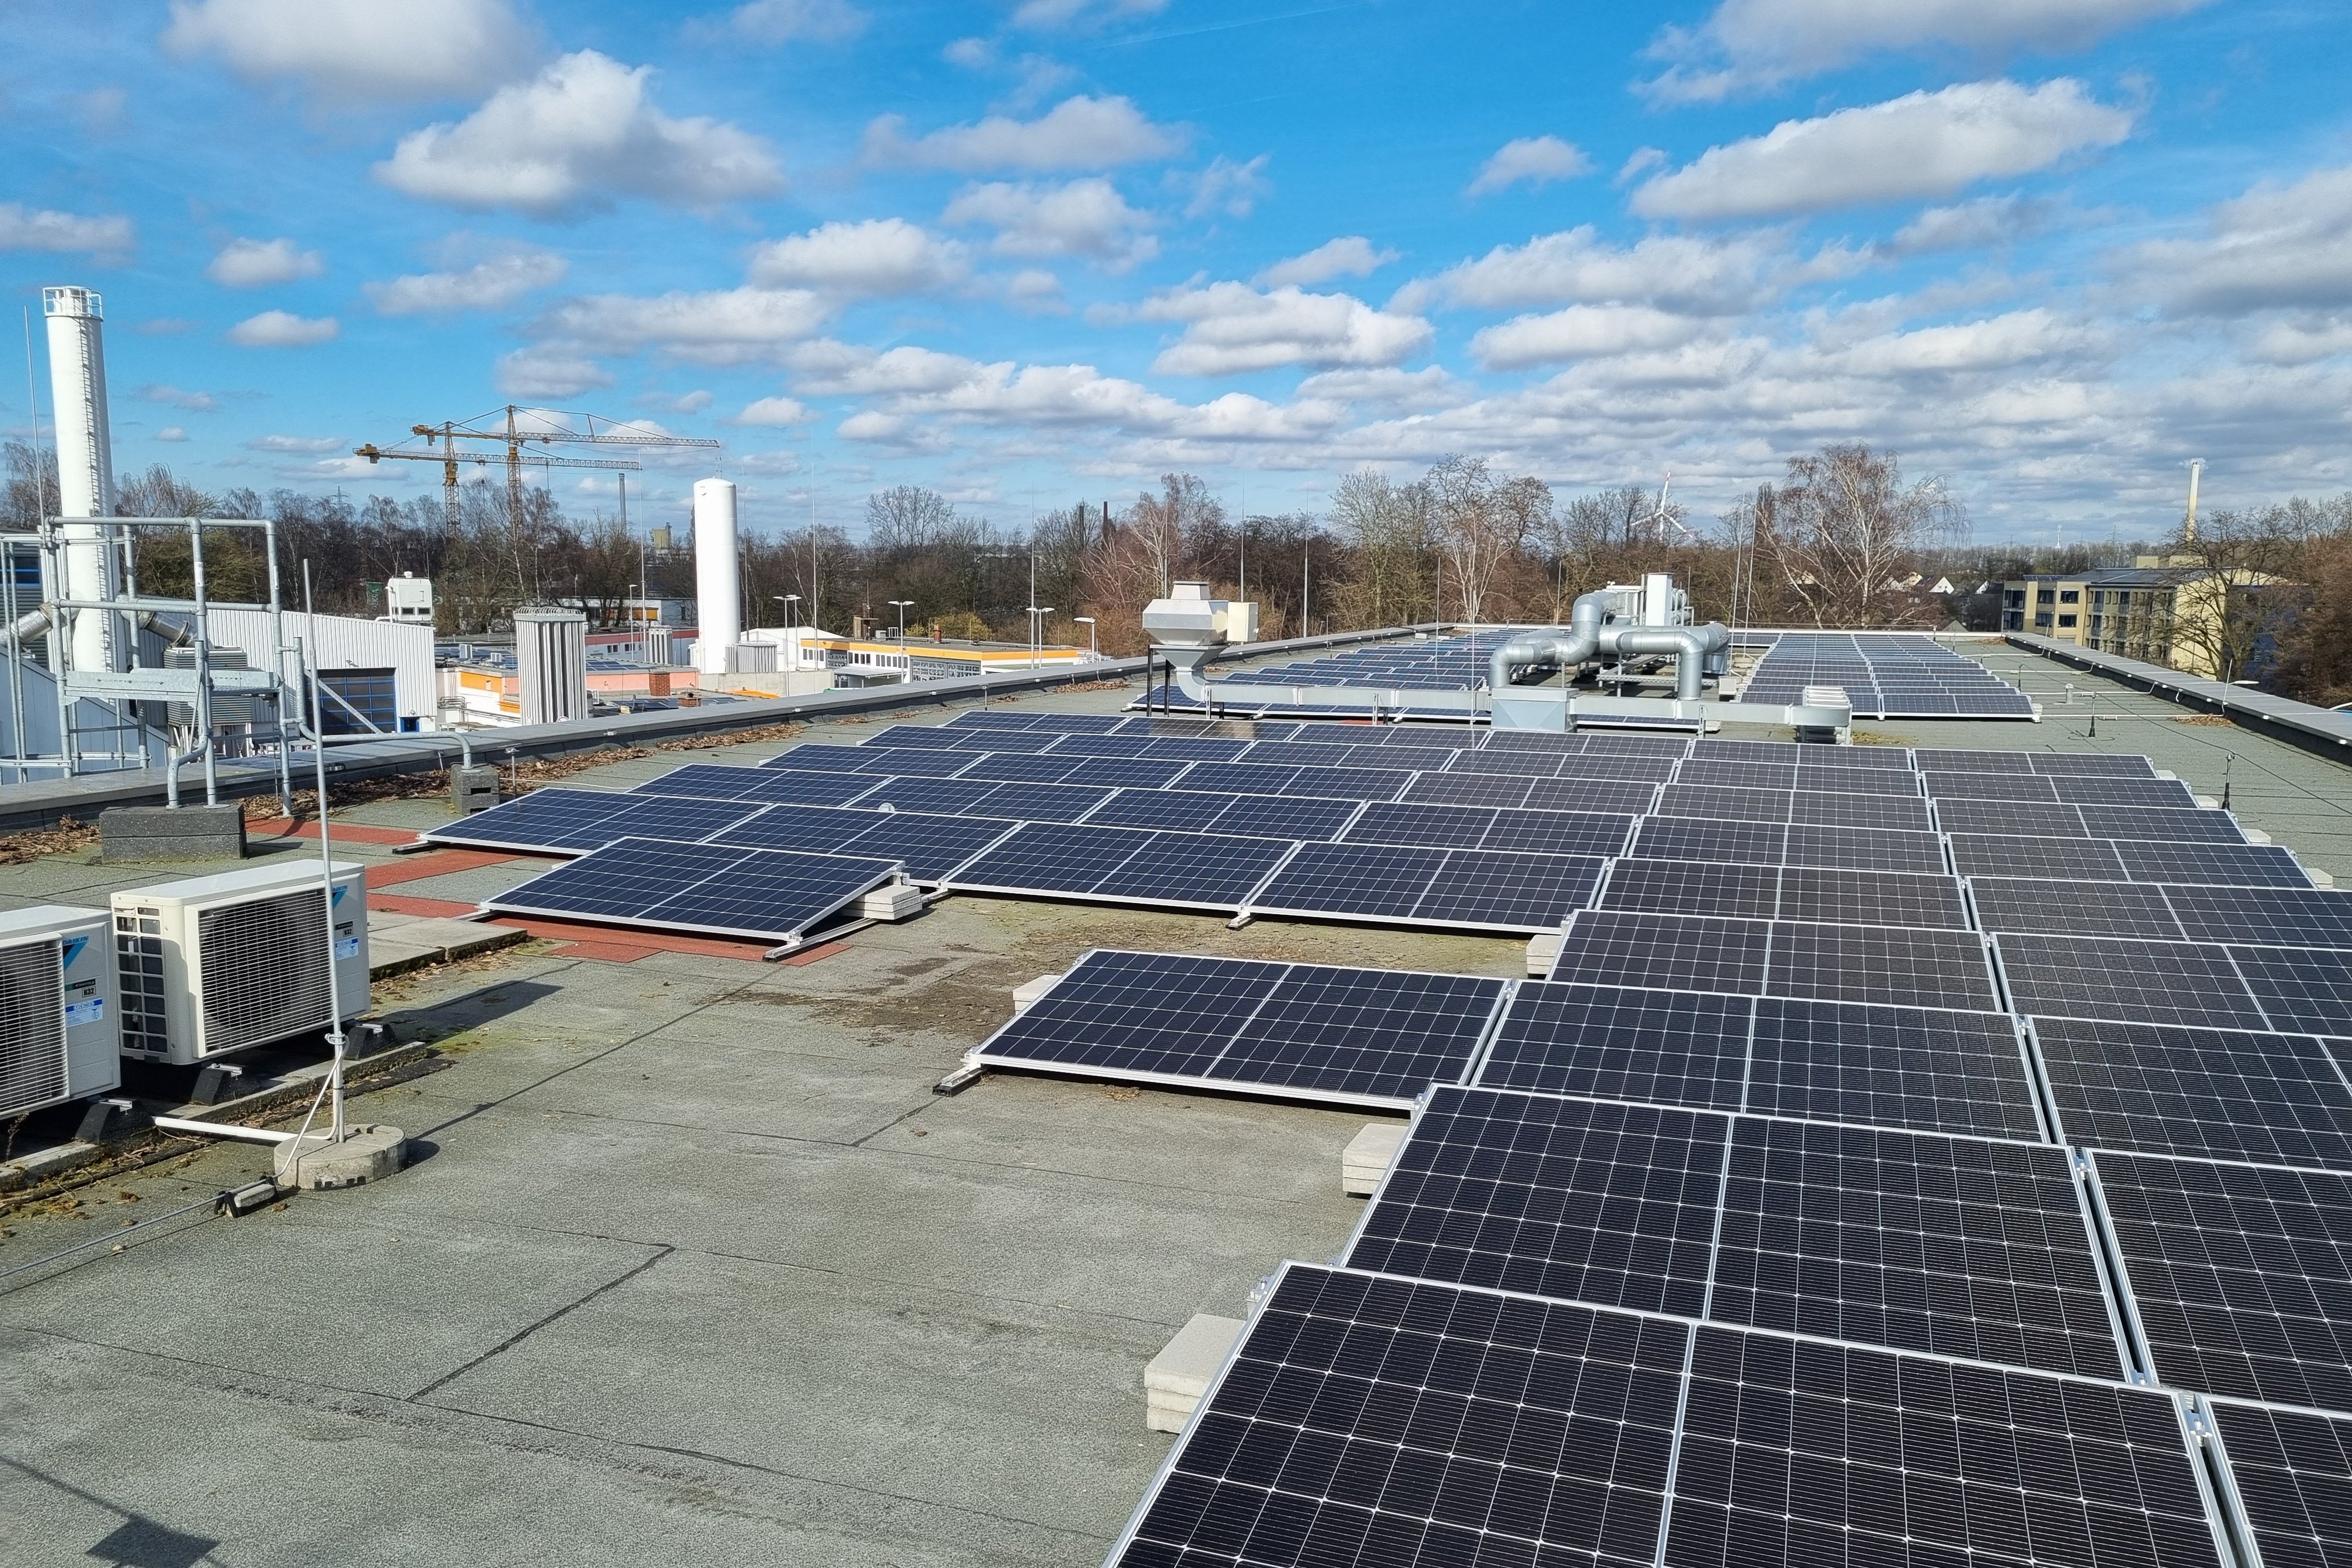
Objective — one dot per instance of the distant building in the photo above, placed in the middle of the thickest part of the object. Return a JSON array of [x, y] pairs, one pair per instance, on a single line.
[[2170, 610]]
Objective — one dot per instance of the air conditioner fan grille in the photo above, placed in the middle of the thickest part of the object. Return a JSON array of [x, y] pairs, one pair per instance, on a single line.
[[265, 970], [32, 1025]]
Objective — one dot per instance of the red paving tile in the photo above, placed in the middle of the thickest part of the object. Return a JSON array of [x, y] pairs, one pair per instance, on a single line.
[[433, 863], [603, 941], [394, 903], [357, 832]]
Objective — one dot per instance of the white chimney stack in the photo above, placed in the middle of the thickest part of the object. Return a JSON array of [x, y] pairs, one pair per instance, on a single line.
[[85, 464], [718, 586]]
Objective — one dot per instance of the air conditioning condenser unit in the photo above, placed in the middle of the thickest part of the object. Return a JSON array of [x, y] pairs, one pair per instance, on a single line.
[[213, 964], [58, 1013]]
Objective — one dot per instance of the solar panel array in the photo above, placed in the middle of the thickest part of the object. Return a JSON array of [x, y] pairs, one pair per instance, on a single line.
[[1866, 1212], [1884, 675]]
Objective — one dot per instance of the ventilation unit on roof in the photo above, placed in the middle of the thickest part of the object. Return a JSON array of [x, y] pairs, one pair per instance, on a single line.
[[57, 1039], [214, 965]]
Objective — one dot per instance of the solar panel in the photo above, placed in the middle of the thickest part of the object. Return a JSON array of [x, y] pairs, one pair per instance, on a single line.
[[1988, 786], [2161, 826], [2024, 819], [1365, 880], [1875, 963], [1871, 898], [845, 759], [1193, 869], [1158, 809], [1693, 886], [1371, 1420], [2056, 860], [2242, 865], [1741, 774], [2168, 793], [1725, 804], [951, 797], [2293, 1472], [2106, 908], [1508, 891], [709, 781], [1010, 767], [1799, 1452], [2306, 990], [1671, 952], [1892, 1066], [1283, 817], [1053, 858], [2295, 917], [1475, 789], [1583, 795], [572, 820], [1612, 1043], [1560, 832], [2212, 1093], [1437, 826], [1690, 838], [2241, 1275], [1301, 1031], [817, 828], [1863, 849], [929, 847], [1125, 772], [777, 894], [1033, 801], [1820, 807], [2188, 984], [1582, 1201]]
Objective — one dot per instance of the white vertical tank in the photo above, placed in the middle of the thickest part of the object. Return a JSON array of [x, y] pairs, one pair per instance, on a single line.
[[717, 588], [85, 464]]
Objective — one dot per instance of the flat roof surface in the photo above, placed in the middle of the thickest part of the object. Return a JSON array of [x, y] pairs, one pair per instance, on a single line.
[[693, 1266]]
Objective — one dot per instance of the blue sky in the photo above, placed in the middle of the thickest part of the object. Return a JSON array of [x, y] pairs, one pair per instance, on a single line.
[[1042, 250]]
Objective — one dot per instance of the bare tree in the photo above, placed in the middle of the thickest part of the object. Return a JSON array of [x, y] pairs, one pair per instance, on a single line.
[[1838, 533], [1386, 528], [2229, 600], [1477, 529], [908, 518]]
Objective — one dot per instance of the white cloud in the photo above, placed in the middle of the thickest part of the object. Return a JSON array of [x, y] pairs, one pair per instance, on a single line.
[[1582, 332], [1083, 218], [775, 411], [580, 133], [716, 327], [1688, 274], [2301, 343], [879, 256], [1749, 44], [1227, 187], [34, 228], [283, 330], [789, 21], [2277, 246], [1054, 14], [310, 446], [845, 370], [1036, 291], [1530, 160], [1350, 256], [1076, 133], [174, 397], [2000, 343], [548, 373], [362, 48], [1973, 225], [1230, 329], [1428, 387], [171, 433], [1922, 144], [485, 286], [257, 263]]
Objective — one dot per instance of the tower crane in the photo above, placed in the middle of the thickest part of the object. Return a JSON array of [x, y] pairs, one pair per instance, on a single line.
[[507, 428]]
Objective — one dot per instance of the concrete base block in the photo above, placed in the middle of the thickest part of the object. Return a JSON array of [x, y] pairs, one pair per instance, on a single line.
[[398, 942], [1368, 1157], [2255, 836], [367, 1155], [1175, 1379], [108, 1118], [219, 1081], [897, 902], [1543, 951], [2319, 878], [137, 835], [473, 789], [1025, 995]]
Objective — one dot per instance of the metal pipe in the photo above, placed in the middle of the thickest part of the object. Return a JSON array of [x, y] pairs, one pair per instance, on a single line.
[[226, 1130], [327, 868], [278, 641], [203, 664]]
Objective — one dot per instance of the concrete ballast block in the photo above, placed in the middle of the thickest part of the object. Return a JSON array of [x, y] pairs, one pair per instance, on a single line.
[[135, 835], [1368, 1157], [1175, 1379], [1026, 995], [898, 901], [367, 1155], [1543, 952]]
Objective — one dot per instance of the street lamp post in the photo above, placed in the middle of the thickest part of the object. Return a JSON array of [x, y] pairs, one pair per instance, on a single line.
[[902, 607], [1037, 614], [791, 618], [1093, 652]]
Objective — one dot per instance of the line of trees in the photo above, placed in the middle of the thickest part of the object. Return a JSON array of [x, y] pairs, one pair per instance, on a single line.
[[1844, 539]]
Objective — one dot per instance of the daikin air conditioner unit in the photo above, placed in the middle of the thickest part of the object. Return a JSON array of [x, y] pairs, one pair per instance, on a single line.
[[57, 1014], [213, 964]]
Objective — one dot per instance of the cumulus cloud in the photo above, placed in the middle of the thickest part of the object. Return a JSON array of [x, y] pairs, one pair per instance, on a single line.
[[1232, 328], [1973, 225], [176, 397], [283, 330], [1350, 256], [1083, 218], [876, 258], [309, 446], [257, 263], [1749, 43], [1582, 332], [485, 286], [2302, 342], [715, 327], [550, 373], [35, 229], [171, 433], [420, 48], [1036, 291], [796, 21], [2001, 342], [1923, 144], [1530, 160], [1076, 133], [774, 411], [1688, 274], [2275, 247], [1056, 13], [579, 133], [1228, 188]]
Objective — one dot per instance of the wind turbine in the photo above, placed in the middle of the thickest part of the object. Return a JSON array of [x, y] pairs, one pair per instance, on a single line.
[[1660, 520]]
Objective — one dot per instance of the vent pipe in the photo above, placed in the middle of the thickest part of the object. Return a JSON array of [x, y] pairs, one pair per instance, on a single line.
[[2188, 531], [85, 468], [717, 588]]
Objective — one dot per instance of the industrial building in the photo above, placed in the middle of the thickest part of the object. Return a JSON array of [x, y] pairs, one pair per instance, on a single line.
[[2176, 610]]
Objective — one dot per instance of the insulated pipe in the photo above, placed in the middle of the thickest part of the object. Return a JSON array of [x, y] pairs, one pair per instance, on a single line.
[[1581, 641], [1689, 645]]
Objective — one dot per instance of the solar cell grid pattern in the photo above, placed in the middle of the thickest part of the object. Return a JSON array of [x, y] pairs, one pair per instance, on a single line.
[[1583, 1201], [1615, 1043], [1958, 1246], [1799, 1452], [1887, 675], [1780, 958], [2293, 1472], [2242, 1275], [1373, 1420], [750, 892], [1309, 1030], [2197, 984], [2219, 1094], [1892, 1066]]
